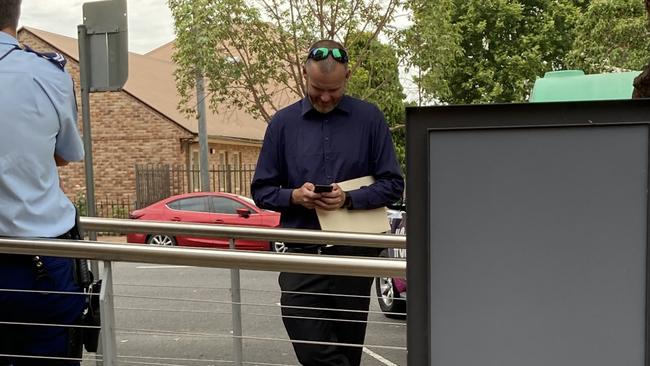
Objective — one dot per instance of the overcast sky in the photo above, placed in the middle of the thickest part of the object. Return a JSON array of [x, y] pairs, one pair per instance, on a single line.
[[150, 21]]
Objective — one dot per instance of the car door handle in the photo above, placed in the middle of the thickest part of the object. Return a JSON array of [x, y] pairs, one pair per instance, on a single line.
[[176, 219], [218, 221]]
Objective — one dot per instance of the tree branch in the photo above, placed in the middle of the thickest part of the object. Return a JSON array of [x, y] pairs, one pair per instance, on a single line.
[[297, 76], [245, 61], [384, 19]]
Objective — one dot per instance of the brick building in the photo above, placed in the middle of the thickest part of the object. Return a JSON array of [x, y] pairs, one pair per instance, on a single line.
[[142, 125]]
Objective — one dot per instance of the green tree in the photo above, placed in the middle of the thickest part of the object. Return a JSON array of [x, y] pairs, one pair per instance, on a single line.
[[251, 52], [376, 79], [430, 46], [612, 35], [228, 43], [642, 82], [493, 49]]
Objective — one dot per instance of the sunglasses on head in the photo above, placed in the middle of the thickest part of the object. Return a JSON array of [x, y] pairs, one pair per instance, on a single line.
[[321, 53]]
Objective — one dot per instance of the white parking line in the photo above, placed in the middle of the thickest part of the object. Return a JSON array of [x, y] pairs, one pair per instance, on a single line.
[[159, 267], [378, 357]]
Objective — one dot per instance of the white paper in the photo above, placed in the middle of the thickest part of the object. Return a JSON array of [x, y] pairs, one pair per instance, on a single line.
[[373, 221]]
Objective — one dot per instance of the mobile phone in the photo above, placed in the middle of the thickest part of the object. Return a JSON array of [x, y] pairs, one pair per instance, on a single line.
[[320, 188]]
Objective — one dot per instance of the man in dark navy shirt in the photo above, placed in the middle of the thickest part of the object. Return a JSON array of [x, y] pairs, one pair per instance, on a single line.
[[326, 137]]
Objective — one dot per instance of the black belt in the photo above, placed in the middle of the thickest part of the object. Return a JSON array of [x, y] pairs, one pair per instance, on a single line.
[[27, 258], [15, 259], [313, 249], [342, 250]]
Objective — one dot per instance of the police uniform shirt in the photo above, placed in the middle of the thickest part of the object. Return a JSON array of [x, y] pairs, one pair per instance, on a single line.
[[38, 117]]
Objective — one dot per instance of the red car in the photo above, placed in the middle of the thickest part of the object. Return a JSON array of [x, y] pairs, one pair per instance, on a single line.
[[206, 208]]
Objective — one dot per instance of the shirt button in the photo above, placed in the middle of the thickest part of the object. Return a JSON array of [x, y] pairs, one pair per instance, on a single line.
[[327, 139]]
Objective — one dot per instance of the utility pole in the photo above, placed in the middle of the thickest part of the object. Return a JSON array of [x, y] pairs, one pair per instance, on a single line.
[[84, 70], [203, 134], [103, 64]]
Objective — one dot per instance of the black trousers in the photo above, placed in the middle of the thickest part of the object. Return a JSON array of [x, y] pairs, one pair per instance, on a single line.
[[318, 312], [17, 272], [38, 307]]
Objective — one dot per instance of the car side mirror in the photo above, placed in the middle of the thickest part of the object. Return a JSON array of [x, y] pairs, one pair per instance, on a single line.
[[244, 212]]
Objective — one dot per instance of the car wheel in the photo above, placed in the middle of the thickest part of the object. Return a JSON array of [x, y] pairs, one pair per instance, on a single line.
[[389, 298], [278, 247], [162, 240]]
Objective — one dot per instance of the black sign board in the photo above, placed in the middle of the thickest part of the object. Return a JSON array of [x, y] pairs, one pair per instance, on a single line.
[[528, 234]]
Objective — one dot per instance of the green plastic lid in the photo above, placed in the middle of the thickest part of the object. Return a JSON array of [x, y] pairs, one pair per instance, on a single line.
[[574, 85]]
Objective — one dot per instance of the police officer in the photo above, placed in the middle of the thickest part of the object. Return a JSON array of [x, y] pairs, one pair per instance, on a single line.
[[38, 127]]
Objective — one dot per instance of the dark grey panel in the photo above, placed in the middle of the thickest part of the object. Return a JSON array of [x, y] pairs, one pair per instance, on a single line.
[[538, 246]]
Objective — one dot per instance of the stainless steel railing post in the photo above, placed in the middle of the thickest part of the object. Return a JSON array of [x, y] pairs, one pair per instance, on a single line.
[[235, 296], [107, 313]]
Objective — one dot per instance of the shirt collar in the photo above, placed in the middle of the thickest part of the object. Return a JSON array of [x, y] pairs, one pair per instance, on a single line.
[[344, 105], [6, 38]]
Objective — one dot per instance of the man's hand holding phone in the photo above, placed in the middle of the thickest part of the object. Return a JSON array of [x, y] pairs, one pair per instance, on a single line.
[[327, 197], [305, 196], [320, 188], [332, 199]]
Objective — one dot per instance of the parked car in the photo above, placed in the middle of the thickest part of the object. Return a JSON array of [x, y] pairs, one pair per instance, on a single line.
[[206, 208], [391, 291]]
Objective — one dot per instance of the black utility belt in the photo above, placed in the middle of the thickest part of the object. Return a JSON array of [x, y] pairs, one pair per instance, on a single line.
[[28, 258], [15, 259]]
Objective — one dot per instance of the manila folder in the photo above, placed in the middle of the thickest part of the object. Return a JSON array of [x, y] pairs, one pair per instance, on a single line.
[[373, 221]]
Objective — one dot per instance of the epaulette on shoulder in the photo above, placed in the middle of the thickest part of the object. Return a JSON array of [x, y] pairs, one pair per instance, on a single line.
[[56, 58]]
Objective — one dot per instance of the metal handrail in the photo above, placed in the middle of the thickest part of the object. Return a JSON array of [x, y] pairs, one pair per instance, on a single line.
[[244, 232], [285, 262]]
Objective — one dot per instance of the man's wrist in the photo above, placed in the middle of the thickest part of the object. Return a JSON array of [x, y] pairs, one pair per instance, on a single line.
[[292, 200], [347, 203]]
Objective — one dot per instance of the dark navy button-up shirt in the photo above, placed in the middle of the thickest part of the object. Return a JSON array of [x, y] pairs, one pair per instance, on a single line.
[[302, 145]]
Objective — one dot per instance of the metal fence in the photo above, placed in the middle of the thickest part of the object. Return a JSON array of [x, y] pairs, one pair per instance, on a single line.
[[114, 208], [157, 181], [114, 304], [106, 206]]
